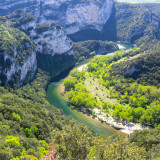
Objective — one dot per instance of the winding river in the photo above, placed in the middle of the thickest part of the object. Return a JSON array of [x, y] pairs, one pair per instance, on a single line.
[[56, 99]]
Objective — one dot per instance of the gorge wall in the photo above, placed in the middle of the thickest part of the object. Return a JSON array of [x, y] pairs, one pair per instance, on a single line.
[[52, 46], [72, 15], [18, 63], [48, 39], [92, 19], [80, 20], [136, 21]]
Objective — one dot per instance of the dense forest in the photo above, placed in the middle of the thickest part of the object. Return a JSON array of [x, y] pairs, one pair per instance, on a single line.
[[87, 49], [32, 128]]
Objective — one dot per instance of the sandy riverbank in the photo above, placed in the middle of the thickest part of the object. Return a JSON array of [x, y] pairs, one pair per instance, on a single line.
[[127, 127], [120, 47], [81, 68]]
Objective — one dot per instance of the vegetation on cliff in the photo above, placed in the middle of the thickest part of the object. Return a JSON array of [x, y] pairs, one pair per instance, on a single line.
[[87, 49], [81, 51], [30, 128], [13, 40], [134, 21]]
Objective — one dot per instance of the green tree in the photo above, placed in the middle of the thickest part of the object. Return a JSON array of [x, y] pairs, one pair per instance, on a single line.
[[28, 132]]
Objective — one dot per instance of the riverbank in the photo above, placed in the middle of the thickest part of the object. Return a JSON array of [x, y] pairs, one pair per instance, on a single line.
[[57, 97], [124, 127], [120, 47], [86, 115]]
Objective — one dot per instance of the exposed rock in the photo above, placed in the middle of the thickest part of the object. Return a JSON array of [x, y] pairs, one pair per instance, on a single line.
[[18, 62], [73, 15], [52, 46], [53, 41], [48, 39], [130, 70]]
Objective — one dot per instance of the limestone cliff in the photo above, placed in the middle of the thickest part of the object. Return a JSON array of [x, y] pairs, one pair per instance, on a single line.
[[18, 62], [48, 39], [52, 46], [72, 15]]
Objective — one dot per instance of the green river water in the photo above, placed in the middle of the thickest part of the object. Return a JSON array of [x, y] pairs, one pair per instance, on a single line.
[[56, 99]]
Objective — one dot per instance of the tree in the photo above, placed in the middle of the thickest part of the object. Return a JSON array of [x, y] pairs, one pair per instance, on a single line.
[[35, 131], [28, 132], [69, 84], [12, 141]]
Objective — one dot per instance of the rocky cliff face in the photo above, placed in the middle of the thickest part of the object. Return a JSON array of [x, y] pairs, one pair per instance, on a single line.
[[72, 15], [48, 39], [53, 40], [18, 54], [52, 46], [18, 62]]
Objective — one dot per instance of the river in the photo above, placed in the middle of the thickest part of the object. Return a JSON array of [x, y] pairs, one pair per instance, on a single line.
[[55, 98]]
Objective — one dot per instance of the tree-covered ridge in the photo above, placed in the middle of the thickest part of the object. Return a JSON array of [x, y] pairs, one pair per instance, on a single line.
[[136, 101], [20, 17], [87, 49], [13, 42], [146, 67], [154, 8], [149, 139], [44, 27], [134, 21]]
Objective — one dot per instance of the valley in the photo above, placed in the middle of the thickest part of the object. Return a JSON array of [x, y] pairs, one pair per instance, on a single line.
[[56, 99], [72, 85]]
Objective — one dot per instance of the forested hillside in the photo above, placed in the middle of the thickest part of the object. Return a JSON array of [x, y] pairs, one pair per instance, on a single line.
[[32, 128], [124, 85], [135, 21], [87, 49]]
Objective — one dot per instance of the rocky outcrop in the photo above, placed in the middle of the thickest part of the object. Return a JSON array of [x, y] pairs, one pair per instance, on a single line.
[[48, 39], [19, 55], [72, 15], [24, 72], [18, 62], [130, 70], [53, 48], [52, 40]]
